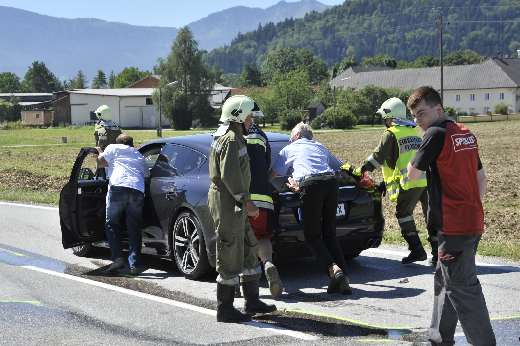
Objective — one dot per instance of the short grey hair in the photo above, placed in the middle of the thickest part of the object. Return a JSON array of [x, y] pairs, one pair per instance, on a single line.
[[305, 130]]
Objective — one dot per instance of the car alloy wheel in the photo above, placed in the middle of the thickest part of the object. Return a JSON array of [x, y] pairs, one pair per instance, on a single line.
[[189, 251]]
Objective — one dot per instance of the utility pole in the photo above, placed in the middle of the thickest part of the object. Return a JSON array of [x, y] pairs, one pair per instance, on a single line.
[[441, 27]]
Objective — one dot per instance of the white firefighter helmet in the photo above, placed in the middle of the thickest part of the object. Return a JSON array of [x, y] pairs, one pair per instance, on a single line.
[[393, 108], [103, 112], [238, 107]]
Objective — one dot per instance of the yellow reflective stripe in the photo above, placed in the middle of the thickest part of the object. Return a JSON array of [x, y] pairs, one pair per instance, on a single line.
[[264, 205], [405, 219], [255, 141], [261, 198]]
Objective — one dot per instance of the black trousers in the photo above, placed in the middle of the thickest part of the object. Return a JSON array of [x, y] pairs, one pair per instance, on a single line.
[[319, 204]]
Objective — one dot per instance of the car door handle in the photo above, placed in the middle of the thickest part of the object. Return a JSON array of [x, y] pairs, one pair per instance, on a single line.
[[171, 195]]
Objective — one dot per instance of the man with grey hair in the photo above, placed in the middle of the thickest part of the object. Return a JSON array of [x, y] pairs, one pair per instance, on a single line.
[[314, 178]]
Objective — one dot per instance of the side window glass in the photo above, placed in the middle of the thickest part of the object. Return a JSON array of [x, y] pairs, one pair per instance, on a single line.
[[182, 159], [88, 168], [150, 158]]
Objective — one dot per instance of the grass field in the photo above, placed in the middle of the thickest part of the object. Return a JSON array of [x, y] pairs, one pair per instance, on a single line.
[[36, 164]]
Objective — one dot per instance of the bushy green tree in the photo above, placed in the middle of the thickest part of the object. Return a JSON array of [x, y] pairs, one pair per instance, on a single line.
[[128, 76], [462, 57], [292, 90], [9, 111], [285, 60], [339, 117], [250, 76], [112, 80], [184, 65], [79, 82], [9, 83], [289, 118], [380, 60], [40, 79], [100, 80]]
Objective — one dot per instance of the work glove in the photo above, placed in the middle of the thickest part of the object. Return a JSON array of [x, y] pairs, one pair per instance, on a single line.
[[352, 170], [366, 181]]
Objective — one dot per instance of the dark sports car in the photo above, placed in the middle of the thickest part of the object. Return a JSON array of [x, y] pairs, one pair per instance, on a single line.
[[177, 223]]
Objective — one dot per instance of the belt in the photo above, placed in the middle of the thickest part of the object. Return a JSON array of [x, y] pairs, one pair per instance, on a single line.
[[316, 176]]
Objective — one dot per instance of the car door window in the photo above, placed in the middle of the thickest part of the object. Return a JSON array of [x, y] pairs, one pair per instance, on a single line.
[[88, 170], [182, 159], [150, 157]]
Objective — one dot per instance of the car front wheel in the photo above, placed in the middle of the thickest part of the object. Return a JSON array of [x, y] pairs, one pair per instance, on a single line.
[[188, 247]]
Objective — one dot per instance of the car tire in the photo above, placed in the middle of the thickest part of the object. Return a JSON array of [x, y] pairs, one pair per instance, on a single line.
[[188, 246], [82, 250]]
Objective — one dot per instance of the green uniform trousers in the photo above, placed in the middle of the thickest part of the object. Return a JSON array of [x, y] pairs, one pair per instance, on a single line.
[[406, 202], [236, 242]]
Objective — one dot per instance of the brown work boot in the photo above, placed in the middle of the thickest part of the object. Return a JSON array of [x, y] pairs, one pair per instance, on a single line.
[[273, 279], [339, 282]]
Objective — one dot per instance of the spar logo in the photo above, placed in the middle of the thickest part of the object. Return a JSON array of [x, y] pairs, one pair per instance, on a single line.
[[463, 141]]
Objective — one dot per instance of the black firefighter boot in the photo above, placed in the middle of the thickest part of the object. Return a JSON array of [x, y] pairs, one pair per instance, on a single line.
[[226, 312], [417, 252], [435, 256], [253, 305]]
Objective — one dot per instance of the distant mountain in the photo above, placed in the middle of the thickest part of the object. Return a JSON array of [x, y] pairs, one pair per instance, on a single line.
[[220, 28], [68, 45], [403, 29]]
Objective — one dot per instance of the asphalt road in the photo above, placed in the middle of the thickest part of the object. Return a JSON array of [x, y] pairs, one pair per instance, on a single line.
[[49, 296]]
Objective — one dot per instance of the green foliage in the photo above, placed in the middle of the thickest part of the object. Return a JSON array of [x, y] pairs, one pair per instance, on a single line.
[[290, 118], [128, 76], [100, 80], [463, 57], [402, 29], [501, 108], [339, 117], [194, 81], [324, 94], [39, 79], [9, 111], [285, 60], [112, 80], [267, 102], [292, 90], [451, 112], [79, 82], [380, 60], [250, 76], [9, 83]]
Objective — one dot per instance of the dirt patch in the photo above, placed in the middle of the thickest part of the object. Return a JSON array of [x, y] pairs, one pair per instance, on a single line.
[[23, 180]]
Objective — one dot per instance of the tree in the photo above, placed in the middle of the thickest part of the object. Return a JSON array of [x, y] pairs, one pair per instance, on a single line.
[[128, 76], [79, 82], [292, 93], [463, 57], [380, 60], [285, 60], [250, 76], [189, 95], [9, 83], [39, 79], [112, 80], [100, 80]]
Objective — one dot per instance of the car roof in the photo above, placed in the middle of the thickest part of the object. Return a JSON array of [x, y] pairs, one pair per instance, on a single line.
[[202, 141]]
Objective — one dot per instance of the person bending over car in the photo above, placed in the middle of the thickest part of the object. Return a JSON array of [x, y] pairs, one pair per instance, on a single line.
[[125, 199], [313, 177]]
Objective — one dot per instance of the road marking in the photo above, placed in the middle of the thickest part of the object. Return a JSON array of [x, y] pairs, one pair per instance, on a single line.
[[504, 318], [396, 253], [32, 302], [34, 206], [387, 341], [345, 319], [13, 252], [171, 302]]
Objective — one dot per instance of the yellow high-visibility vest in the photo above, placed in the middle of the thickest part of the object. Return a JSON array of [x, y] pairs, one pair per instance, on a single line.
[[408, 141]]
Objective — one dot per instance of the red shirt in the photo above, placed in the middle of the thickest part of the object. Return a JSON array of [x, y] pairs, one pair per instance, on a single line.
[[449, 155]]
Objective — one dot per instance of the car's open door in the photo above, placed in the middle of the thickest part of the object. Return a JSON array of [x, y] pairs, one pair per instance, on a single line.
[[82, 202]]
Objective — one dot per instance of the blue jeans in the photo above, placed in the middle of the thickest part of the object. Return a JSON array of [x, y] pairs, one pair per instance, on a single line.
[[124, 205]]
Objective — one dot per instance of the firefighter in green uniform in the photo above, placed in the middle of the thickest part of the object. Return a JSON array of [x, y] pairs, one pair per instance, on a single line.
[[398, 145], [230, 204], [105, 130]]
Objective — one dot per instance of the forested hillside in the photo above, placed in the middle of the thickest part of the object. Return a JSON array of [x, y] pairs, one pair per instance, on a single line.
[[403, 29]]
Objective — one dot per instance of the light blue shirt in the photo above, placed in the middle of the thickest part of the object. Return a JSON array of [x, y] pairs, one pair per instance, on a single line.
[[305, 157], [126, 166]]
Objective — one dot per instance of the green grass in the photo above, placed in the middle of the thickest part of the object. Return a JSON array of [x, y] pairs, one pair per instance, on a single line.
[[36, 164]]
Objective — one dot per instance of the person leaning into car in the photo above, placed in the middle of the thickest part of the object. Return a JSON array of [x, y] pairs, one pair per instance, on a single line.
[[229, 203], [125, 199], [313, 177]]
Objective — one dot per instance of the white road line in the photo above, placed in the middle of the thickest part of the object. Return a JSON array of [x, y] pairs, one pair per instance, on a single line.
[[264, 326], [34, 206]]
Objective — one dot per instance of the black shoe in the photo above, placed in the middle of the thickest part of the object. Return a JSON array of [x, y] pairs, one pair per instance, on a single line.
[[339, 284], [238, 294], [134, 271], [253, 305], [226, 312], [416, 255], [115, 266], [433, 261]]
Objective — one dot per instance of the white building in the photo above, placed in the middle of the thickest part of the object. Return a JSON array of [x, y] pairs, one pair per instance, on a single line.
[[131, 107], [474, 89]]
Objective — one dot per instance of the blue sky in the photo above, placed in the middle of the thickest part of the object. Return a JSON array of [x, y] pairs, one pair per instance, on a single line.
[[173, 13]]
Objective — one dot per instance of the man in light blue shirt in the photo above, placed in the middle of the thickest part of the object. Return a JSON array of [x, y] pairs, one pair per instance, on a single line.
[[125, 199], [312, 167]]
